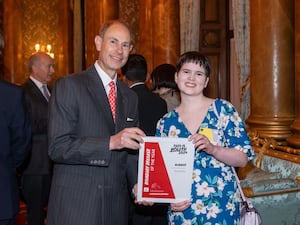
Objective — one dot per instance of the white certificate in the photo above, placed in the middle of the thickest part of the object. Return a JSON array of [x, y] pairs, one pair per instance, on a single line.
[[165, 169]]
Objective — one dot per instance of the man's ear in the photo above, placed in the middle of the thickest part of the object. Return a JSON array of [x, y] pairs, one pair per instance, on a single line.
[[98, 42]]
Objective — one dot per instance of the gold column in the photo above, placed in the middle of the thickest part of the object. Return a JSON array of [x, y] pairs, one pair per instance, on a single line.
[[145, 34], [272, 68], [97, 12], [166, 31], [13, 36], [64, 58], [294, 140], [159, 31]]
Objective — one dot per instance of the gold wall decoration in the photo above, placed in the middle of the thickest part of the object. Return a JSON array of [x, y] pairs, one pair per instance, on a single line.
[[131, 16], [30, 22], [39, 26]]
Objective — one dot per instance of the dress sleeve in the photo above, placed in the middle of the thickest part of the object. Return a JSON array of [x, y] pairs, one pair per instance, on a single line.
[[235, 133]]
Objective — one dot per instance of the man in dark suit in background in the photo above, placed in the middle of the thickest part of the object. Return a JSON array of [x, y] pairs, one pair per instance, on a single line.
[[151, 109], [90, 137], [15, 132], [36, 179], [151, 106]]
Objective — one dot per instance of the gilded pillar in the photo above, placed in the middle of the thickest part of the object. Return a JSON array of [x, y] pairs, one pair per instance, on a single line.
[[294, 140], [13, 36], [159, 31], [97, 12], [166, 31], [145, 32], [272, 68]]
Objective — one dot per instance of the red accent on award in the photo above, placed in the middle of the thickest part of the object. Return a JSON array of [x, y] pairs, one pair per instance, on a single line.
[[155, 178]]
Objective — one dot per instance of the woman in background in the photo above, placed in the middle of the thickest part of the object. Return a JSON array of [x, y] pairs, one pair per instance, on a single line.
[[163, 83]]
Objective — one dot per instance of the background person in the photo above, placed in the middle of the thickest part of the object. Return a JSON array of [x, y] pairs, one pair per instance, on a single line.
[[36, 178], [220, 140], [162, 78], [94, 152], [151, 109], [15, 133]]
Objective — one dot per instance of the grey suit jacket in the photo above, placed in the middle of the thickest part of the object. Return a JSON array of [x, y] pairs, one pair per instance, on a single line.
[[90, 183], [38, 162]]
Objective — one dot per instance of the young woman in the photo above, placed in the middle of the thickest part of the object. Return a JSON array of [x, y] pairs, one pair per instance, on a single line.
[[220, 140]]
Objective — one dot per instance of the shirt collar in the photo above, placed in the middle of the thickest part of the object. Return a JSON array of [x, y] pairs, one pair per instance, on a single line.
[[104, 76], [136, 84], [36, 82]]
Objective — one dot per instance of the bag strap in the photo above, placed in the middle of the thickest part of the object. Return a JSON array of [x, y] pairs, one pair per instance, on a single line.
[[244, 199], [239, 184]]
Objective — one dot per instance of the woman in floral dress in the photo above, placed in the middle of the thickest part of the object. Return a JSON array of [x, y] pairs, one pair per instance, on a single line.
[[220, 140]]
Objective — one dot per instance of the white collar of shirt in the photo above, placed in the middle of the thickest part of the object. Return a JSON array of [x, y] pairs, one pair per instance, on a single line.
[[136, 84], [105, 77], [38, 83]]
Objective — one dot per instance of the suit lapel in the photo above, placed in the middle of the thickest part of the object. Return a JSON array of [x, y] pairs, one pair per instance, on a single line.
[[35, 90], [122, 103], [97, 90]]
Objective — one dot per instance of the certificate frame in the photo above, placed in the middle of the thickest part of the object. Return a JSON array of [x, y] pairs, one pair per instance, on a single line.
[[165, 169]]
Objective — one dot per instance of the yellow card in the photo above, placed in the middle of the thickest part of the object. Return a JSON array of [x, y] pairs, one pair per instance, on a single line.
[[207, 132]]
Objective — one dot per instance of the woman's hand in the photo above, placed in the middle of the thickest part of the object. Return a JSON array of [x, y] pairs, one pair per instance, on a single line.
[[180, 206], [201, 142], [231, 156]]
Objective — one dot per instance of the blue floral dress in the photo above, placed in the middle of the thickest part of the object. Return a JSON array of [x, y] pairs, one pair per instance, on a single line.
[[214, 196]]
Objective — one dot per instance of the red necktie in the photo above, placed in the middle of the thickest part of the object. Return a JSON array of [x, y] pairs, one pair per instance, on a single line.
[[112, 99]]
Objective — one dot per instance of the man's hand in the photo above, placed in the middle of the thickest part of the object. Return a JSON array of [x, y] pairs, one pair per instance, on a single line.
[[127, 138]]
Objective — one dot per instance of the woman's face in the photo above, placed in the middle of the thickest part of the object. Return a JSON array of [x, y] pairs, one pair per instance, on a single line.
[[191, 79]]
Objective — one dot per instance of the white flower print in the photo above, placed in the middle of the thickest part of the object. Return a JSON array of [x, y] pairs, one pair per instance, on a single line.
[[235, 118], [231, 207], [237, 132], [203, 189], [213, 211], [216, 163], [173, 132], [196, 175], [224, 119], [221, 184], [187, 222], [199, 207], [228, 177]]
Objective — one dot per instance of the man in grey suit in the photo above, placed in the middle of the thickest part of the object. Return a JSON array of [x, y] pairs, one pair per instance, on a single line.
[[36, 179], [95, 161]]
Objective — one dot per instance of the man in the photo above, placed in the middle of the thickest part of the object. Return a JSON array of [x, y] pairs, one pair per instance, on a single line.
[[36, 179], [151, 106], [91, 142], [151, 109], [15, 134]]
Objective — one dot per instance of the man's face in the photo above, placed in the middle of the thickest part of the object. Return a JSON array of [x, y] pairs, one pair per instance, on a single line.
[[43, 69], [114, 48]]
